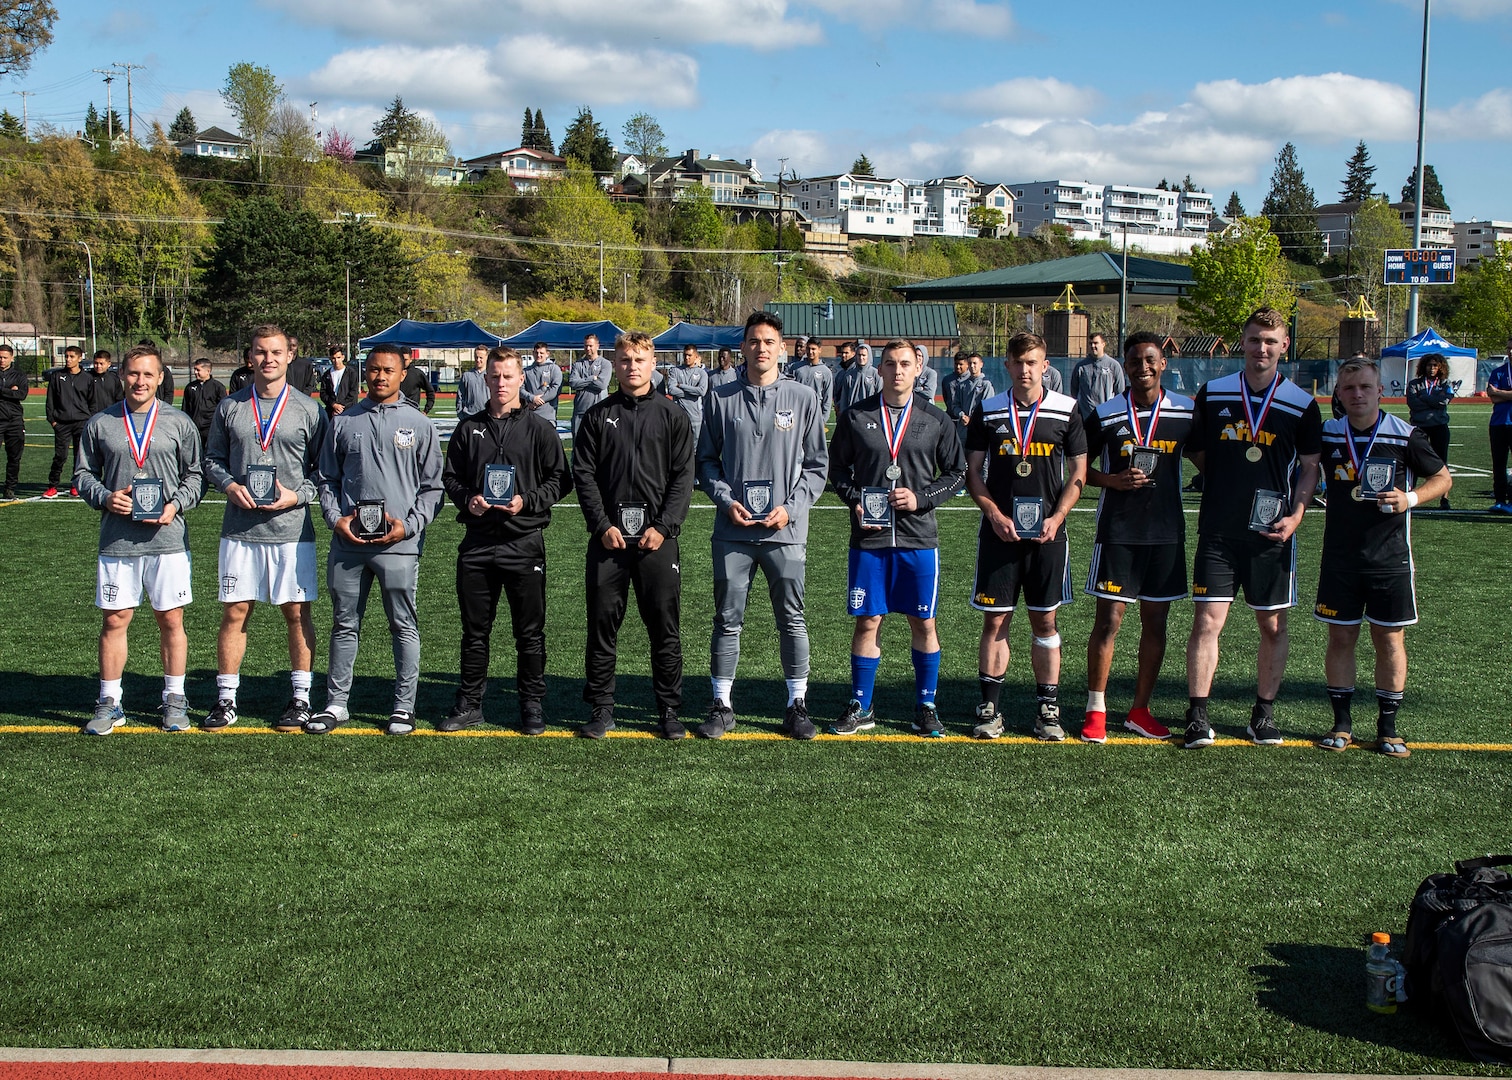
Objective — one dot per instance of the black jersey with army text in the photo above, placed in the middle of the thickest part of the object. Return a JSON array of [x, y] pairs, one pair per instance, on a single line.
[[1147, 515], [1291, 429], [1058, 434], [1357, 534]]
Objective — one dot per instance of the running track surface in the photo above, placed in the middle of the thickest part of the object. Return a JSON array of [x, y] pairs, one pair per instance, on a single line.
[[168, 1070]]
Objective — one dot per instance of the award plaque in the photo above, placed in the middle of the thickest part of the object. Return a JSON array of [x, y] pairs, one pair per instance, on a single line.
[[1268, 508], [876, 511], [1377, 476], [369, 522], [262, 484], [758, 497], [1145, 460], [633, 519], [1029, 517], [498, 484], [146, 498]]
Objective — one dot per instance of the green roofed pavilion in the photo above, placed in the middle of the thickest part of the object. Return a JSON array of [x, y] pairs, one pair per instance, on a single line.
[[1095, 277]]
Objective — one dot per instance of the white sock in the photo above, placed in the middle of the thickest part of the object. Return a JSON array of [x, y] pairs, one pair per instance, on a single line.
[[173, 684], [722, 688], [797, 688], [300, 682], [111, 689], [1096, 701], [226, 687]]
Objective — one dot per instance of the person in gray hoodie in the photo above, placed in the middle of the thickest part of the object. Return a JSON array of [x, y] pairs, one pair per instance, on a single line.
[[138, 455], [381, 460], [688, 385], [857, 379], [267, 546], [588, 379], [472, 389], [762, 460], [543, 384]]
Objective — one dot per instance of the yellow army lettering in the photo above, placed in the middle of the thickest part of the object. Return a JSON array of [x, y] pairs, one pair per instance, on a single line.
[[1239, 432], [1326, 612]]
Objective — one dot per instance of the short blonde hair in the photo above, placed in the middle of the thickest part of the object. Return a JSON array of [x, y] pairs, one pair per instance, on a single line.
[[638, 340]]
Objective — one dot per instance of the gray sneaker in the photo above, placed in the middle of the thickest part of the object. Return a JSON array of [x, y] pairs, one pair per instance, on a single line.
[[175, 713], [107, 717], [1047, 725], [989, 723]]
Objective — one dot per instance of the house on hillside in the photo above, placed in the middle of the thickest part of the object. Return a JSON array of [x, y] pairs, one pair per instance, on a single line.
[[940, 207], [736, 187], [868, 207], [525, 166], [420, 161], [217, 143]]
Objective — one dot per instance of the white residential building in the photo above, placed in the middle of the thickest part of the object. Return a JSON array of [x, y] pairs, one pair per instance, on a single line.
[[863, 206], [1438, 225], [1477, 240], [1139, 209], [1196, 211], [215, 142], [525, 166], [1076, 205], [941, 206]]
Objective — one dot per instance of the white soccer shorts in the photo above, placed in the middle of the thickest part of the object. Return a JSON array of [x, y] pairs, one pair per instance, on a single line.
[[121, 580], [269, 573]]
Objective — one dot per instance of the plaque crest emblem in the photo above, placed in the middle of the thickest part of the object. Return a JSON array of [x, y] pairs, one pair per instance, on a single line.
[[1267, 508], [633, 520], [147, 497], [498, 483], [759, 500], [1377, 477], [784, 419], [260, 483], [370, 517], [875, 504], [1027, 516]]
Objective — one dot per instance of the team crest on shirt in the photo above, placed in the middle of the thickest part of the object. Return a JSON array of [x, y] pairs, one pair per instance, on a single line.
[[857, 597], [109, 592], [784, 419], [404, 438]]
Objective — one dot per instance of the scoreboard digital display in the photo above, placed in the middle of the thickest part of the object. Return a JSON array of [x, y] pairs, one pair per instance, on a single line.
[[1426, 266]]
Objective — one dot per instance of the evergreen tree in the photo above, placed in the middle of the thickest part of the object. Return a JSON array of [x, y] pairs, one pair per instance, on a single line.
[[527, 131], [1358, 183], [1164, 185], [1292, 209], [586, 141], [1234, 210], [862, 166], [1433, 191], [543, 140], [1188, 184], [398, 125], [10, 126], [184, 128]]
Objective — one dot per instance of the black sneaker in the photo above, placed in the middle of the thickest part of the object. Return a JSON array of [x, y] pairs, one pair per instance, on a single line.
[[797, 723], [219, 718], [400, 722], [853, 719], [671, 726], [601, 724], [462, 716], [532, 719], [296, 713], [720, 721], [1262, 728], [926, 722], [1199, 732]]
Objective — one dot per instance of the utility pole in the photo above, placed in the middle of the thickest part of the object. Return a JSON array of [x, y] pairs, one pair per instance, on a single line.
[[1417, 218], [109, 108], [781, 169], [25, 119], [94, 341], [130, 130], [601, 274], [1123, 291]]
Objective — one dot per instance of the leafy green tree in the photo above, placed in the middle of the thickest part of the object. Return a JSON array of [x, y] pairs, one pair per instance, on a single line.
[[1433, 191], [1235, 272], [862, 166], [577, 211], [1359, 184], [25, 28], [252, 94], [587, 142], [397, 125], [183, 128], [1234, 209], [985, 219], [291, 135], [1373, 228], [1292, 209], [644, 137], [696, 220], [1483, 316]]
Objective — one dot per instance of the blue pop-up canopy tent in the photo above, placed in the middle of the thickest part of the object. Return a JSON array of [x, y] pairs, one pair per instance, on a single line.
[[432, 335], [1397, 361], [680, 334], [1421, 344], [564, 335]]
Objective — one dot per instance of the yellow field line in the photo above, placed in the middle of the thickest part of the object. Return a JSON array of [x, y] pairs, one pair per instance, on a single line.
[[753, 736]]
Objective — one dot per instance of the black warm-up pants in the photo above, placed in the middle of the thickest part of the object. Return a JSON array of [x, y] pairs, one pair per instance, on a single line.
[[14, 435], [1501, 441], [64, 436], [658, 596], [517, 568]]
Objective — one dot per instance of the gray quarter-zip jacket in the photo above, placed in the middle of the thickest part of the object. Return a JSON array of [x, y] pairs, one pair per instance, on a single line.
[[771, 433], [106, 466], [294, 452], [854, 383], [688, 386], [545, 380], [389, 452], [589, 382]]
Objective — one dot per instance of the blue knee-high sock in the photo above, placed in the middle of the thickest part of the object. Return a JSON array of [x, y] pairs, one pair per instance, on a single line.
[[926, 675], [863, 679]]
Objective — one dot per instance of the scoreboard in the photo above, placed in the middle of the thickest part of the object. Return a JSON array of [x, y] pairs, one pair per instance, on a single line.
[[1427, 266]]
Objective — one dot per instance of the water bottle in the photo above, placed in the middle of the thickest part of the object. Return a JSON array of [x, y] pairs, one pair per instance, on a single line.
[[1382, 976]]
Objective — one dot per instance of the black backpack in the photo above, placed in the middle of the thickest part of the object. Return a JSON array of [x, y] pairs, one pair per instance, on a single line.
[[1458, 953]]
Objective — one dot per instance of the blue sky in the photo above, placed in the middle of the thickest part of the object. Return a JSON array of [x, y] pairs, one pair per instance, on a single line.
[[1102, 91]]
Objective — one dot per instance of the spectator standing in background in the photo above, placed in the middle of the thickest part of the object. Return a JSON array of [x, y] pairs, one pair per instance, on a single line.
[[417, 382], [67, 410], [725, 371], [201, 396], [543, 384], [472, 389], [688, 385], [105, 386], [14, 386], [1098, 378], [1428, 398], [588, 379], [1499, 390], [341, 386], [242, 375]]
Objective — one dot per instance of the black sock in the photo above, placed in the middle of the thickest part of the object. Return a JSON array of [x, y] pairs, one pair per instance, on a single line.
[[1387, 704], [1264, 707], [1198, 704], [991, 687], [1340, 697], [1048, 692]]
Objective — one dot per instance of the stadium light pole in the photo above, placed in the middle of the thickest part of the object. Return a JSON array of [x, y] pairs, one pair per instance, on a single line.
[[94, 342], [1417, 217]]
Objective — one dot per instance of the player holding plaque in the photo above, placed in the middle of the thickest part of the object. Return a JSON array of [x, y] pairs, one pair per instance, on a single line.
[[504, 471], [894, 458], [132, 447], [1389, 466], [762, 444], [1137, 439], [1255, 436], [380, 473], [1031, 442], [632, 464], [263, 447]]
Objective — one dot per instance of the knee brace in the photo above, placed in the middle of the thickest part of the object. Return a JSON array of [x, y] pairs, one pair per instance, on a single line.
[[1051, 642]]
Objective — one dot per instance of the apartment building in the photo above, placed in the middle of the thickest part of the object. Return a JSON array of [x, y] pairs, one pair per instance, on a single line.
[[1076, 205], [940, 207], [1477, 240], [866, 206]]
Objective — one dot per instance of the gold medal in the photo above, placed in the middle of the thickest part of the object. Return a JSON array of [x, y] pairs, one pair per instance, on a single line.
[[1023, 468], [1356, 494], [1253, 453]]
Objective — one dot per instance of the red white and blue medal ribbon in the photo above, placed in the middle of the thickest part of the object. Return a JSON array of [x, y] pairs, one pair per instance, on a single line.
[[1249, 410], [1148, 437], [895, 437], [139, 445], [1023, 434], [1354, 456], [266, 427]]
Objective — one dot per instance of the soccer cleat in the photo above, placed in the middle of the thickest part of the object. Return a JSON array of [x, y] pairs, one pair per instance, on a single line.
[[600, 725], [108, 716], [720, 721], [219, 718], [989, 723], [326, 720], [926, 722], [853, 720], [1095, 728], [73, 492], [797, 723], [296, 713], [400, 723], [10, 493], [532, 720], [51, 492], [461, 716], [1263, 730], [671, 727], [1141, 723], [1199, 732], [175, 712], [1047, 726]]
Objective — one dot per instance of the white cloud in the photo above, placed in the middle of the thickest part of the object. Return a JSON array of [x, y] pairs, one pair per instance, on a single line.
[[970, 17], [808, 153], [1027, 98], [1331, 106], [1487, 117]]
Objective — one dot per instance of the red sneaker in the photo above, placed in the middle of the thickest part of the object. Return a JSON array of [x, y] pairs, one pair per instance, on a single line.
[[51, 492], [1140, 722], [74, 492], [1095, 728]]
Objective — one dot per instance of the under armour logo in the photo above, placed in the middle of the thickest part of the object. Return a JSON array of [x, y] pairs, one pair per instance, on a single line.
[[612, 421]]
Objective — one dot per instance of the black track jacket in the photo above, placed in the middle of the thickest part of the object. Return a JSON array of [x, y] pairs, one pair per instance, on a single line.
[[518, 438], [634, 450]]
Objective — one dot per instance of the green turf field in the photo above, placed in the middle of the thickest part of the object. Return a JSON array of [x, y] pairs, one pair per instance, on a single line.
[[1127, 905]]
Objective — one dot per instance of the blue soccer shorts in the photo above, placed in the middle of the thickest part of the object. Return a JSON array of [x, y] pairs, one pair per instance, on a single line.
[[901, 580]]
